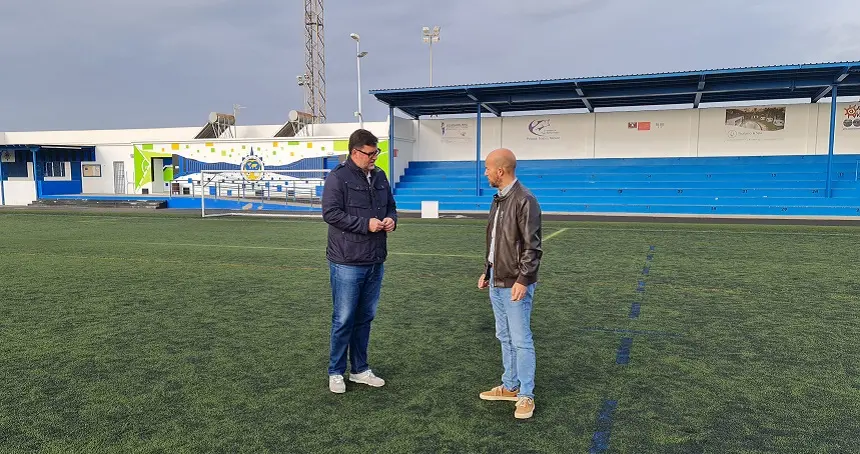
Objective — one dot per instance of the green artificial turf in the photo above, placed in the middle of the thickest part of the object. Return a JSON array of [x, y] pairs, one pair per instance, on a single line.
[[159, 333]]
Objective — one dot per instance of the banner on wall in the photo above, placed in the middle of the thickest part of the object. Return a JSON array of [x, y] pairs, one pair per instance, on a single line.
[[851, 118], [755, 123], [246, 156], [453, 132], [644, 125], [542, 129]]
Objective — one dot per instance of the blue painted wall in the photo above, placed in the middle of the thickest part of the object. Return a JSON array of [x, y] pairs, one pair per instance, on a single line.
[[65, 187]]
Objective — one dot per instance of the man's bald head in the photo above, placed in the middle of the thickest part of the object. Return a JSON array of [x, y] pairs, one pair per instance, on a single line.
[[503, 158], [501, 167]]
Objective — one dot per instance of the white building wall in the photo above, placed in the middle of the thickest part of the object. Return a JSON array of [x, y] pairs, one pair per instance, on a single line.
[[454, 139], [405, 132], [642, 134], [647, 133], [552, 137], [21, 190], [378, 128], [847, 140], [716, 139], [19, 193], [106, 155], [95, 137], [635, 134]]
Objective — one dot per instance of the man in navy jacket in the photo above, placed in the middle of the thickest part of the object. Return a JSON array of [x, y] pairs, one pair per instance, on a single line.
[[359, 208]]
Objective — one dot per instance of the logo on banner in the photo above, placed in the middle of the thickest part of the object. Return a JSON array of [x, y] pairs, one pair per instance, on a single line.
[[252, 167], [644, 125], [455, 132], [542, 130], [7, 156], [851, 118]]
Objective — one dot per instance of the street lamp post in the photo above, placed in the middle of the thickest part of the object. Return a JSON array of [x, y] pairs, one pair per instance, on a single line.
[[358, 55], [430, 37]]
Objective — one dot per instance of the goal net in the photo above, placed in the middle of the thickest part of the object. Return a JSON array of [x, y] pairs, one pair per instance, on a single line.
[[265, 193]]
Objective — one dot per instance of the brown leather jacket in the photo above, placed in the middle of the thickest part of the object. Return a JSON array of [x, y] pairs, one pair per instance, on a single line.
[[517, 251]]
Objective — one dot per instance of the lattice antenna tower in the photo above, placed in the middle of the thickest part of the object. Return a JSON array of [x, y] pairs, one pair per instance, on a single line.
[[315, 59]]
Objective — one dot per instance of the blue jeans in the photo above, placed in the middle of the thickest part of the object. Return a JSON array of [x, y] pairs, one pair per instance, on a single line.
[[513, 329], [355, 294]]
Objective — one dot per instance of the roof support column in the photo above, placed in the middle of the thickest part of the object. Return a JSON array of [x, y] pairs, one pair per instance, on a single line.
[[392, 175], [2, 188], [478, 153], [36, 176], [828, 189]]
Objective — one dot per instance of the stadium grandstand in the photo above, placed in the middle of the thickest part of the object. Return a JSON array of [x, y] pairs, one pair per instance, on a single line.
[[752, 141]]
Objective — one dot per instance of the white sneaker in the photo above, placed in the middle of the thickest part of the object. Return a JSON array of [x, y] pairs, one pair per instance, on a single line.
[[367, 378], [336, 384]]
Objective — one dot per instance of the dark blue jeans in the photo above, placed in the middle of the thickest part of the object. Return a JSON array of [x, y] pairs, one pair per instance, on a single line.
[[355, 294]]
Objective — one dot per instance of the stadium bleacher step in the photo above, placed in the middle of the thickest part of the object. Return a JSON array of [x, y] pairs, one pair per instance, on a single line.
[[743, 185]]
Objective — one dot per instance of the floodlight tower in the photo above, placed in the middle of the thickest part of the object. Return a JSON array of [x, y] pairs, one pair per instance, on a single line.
[[315, 59], [430, 37], [358, 55]]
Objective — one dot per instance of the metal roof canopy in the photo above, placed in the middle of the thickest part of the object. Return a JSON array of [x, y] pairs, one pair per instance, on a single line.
[[805, 81]]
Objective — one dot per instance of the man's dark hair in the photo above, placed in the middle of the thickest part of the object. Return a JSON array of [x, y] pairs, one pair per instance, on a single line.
[[360, 138]]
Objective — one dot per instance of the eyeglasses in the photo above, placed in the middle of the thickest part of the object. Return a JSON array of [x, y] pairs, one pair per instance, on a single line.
[[372, 154]]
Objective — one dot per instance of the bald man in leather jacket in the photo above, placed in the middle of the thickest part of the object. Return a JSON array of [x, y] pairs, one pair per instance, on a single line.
[[514, 254]]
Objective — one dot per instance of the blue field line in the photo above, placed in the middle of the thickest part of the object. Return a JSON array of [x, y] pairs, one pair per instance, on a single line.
[[622, 356], [635, 309], [600, 439]]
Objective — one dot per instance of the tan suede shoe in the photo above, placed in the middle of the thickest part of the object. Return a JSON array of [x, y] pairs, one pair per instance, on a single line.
[[525, 408], [499, 393]]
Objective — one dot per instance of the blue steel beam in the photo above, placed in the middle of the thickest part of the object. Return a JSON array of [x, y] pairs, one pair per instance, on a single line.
[[699, 93], [712, 87], [821, 94], [595, 93], [770, 71], [828, 189], [474, 98], [2, 189], [583, 97], [391, 173], [410, 114], [36, 181], [478, 154], [827, 89]]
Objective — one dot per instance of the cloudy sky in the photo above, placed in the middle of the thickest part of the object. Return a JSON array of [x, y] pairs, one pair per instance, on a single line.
[[94, 64]]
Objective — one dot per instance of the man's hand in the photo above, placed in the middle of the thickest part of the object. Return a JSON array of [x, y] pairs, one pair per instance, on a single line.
[[518, 291], [388, 224], [375, 225], [483, 282]]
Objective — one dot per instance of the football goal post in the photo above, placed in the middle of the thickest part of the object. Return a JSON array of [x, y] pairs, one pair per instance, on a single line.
[[290, 193]]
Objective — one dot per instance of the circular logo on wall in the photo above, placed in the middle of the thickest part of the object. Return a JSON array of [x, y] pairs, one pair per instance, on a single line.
[[252, 168]]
